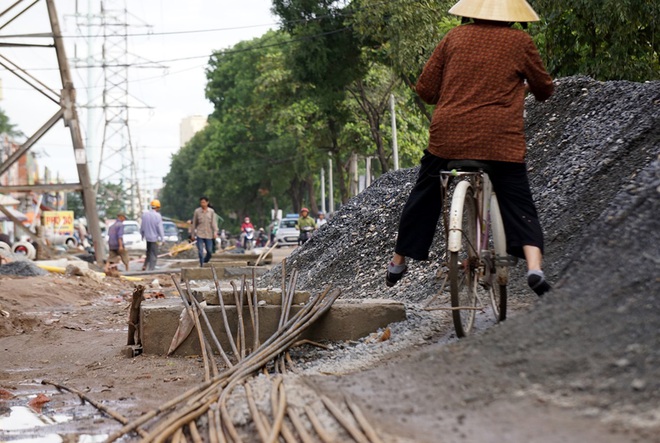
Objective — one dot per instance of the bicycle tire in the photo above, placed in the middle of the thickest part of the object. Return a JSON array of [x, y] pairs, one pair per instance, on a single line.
[[498, 297], [463, 263], [498, 291]]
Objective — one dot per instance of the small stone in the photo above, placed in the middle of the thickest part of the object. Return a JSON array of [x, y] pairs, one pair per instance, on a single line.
[[638, 384]]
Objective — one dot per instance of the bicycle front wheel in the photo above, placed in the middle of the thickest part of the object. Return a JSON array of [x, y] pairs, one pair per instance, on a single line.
[[464, 262]]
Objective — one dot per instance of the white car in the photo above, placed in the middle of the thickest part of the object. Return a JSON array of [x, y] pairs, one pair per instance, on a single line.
[[287, 234], [171, 232]]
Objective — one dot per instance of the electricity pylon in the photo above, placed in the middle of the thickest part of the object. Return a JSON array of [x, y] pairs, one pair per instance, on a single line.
[[65, 100]]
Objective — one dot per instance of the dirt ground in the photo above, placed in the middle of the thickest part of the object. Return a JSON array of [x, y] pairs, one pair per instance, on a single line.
[[73, 331]]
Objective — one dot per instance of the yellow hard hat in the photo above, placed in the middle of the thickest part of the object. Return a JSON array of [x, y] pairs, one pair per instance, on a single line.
[[155, 203], [497, 10]]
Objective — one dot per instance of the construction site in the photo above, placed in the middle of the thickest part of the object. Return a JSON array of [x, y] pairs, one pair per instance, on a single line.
[[323, 351], [307, 343]]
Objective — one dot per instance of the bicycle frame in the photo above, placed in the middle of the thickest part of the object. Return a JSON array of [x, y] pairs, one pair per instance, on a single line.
[[476, 267]]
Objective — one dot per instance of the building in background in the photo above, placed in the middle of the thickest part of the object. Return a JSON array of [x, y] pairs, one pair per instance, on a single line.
[[190, 126]]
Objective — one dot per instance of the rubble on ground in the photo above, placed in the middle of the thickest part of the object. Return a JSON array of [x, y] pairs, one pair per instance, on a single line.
[[22, 268]]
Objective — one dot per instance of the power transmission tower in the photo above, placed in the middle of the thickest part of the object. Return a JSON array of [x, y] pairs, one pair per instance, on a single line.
[[117, 157], [65, 100]]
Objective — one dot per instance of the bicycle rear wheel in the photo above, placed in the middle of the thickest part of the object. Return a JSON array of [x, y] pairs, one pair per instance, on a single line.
[[498, 301], [498, 292], [464, 263]]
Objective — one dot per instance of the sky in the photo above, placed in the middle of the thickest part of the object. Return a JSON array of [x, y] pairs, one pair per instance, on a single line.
[[169, 44]]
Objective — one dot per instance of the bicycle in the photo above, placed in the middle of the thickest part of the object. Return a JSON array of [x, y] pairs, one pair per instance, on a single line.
[[476, 244]]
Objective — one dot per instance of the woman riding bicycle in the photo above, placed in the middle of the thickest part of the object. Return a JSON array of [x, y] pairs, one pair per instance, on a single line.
[[477, 77]]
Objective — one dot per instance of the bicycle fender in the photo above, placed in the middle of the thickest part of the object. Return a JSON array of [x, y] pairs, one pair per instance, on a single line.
[[499, 239], [456, 216]]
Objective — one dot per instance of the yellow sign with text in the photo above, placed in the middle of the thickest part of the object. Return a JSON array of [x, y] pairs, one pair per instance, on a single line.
[[58, 222]]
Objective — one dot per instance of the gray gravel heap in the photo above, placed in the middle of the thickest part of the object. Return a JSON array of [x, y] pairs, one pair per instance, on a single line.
[[594, 161], [586, 143], [22, 268]]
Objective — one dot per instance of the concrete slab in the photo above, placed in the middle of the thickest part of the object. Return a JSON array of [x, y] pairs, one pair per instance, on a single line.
[[63, 263], [264, 296], [346, 320], [222, 271], [247, 257], [194, 264]]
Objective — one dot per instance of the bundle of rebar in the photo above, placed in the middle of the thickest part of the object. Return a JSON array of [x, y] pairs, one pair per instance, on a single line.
[[204, 407]]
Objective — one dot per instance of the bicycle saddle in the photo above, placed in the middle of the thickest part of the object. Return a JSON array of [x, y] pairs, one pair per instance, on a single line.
[[469, 165]]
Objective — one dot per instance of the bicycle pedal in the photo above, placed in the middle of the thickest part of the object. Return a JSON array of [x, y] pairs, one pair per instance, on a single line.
[[509, 260]]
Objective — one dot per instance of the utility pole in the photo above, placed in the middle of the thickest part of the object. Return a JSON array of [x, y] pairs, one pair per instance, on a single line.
[[395, 145], [353, 175], [323, 189], [70, 117], [367, 173], [331, 193], [116, 159]]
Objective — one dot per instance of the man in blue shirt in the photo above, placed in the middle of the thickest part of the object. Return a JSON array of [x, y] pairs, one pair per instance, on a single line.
[[153, 232], [116, 243]]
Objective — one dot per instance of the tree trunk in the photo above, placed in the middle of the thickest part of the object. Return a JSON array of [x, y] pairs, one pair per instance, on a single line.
[[312, 205]]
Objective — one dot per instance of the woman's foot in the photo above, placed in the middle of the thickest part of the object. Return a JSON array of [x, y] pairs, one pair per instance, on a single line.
[[395, 273], [536, 281]]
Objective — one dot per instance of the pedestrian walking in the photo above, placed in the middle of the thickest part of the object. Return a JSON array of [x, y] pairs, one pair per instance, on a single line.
[[153, 233], [116, 244], [204, 230]]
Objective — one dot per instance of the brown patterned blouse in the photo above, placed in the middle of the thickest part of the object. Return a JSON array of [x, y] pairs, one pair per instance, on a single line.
[[475, 77]]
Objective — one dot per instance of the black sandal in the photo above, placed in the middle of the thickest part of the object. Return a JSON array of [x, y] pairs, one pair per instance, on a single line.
[[392, 278], [538, 284]]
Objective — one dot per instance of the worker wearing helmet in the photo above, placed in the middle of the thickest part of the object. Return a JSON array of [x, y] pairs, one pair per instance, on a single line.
[[306, 225], [152, 232], [477, 78]]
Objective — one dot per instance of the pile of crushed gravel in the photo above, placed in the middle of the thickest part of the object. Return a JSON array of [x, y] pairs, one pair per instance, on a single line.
[[586, 144], [22, 268], [594, 162]]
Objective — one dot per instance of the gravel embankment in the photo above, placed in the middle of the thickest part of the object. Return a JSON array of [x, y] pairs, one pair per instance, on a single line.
[[594, 166]]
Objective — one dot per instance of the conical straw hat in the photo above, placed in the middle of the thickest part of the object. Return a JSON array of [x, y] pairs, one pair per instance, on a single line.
[[498, 10]]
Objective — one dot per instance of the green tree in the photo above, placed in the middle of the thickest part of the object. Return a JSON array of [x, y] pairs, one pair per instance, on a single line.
[[252, 91], [6, 127], [186, 182], [74, 202], [111, 199], [326, 56], [403, 35], [607, 40]]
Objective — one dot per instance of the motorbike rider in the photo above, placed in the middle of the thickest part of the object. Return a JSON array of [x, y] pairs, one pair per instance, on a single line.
[[244, 230], [306, 225], [320, 221], [262, 238]]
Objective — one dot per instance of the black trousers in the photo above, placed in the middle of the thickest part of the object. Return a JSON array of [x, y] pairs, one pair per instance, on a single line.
[[424, 205], [152, 256]]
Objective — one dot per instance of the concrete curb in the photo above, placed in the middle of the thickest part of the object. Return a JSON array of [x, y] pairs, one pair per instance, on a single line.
[[346, 320]]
